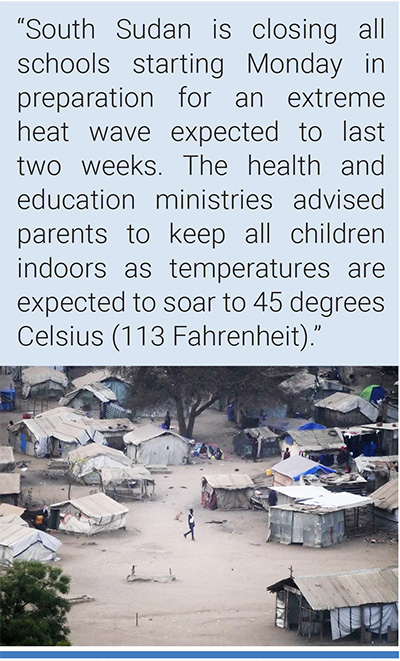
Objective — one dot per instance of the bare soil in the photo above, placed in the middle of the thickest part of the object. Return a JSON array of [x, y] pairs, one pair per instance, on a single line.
[[219, 597]]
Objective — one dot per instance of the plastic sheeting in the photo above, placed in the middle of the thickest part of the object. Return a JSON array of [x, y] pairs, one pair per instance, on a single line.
[[377, 618]]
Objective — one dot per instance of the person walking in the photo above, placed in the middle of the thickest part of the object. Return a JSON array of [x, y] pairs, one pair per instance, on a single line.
[[191, 525]]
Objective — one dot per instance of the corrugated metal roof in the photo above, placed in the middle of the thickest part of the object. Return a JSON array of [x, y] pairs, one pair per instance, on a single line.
[[96, 506], [9, 483], [387, 496], [101, 392], [147, 432], [368, 586], [90, 378], [34, 375], [317, 440], [346, 402], [229, 481], [321, 498]]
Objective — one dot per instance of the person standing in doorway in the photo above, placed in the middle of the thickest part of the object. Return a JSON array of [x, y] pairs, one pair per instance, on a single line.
[[191, 525]]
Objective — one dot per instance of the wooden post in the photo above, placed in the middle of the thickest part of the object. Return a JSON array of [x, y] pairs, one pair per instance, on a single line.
[[137, 619], [69, 490], [309, 624]]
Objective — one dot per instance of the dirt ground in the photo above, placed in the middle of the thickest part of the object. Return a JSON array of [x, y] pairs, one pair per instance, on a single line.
[[219, 597]]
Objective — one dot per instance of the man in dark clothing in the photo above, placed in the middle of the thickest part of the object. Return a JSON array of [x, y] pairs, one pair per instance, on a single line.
[[191, 525], [272, 498], [167, 421], [286, 454]]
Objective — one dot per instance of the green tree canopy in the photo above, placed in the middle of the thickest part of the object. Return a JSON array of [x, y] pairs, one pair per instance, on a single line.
[[194, 389], [32, 609]]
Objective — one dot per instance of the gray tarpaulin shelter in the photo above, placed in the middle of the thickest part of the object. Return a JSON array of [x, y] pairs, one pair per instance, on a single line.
[[226, 492], [43, 382], [150, 444], [364, 600], [268, 443], [344, 410]]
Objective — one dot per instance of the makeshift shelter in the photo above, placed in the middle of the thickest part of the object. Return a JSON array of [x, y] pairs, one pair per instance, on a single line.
[[7, 393], [303, 388], [121, 389], [113, 430], [320, 445], [85, 463], [150, 444], [385, 436], [10, 488], [43, 382], [7, 461], [19, 542], [291, 470], [344, 410], [54, 433], [386, 500], [336, 482], [268, 443], [89, 515], [90, 397], [226, 492], [127, 482], [316, 517], [377, 470], [364, 600]]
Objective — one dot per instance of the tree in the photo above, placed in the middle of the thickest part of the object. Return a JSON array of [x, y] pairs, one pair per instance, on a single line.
[[32, 609], [195, 389]]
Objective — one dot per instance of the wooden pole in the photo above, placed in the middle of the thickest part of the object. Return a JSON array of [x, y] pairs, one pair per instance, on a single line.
[[137, 619]]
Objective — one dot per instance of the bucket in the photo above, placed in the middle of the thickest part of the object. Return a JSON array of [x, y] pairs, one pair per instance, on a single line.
[[269, 472]]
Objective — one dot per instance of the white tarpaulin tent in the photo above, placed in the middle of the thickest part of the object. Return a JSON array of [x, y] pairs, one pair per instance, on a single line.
[[21, 543], [91, 514], [154, 445], [86, 462]]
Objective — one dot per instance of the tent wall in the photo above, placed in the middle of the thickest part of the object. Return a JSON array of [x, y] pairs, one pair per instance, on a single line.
[[306, 528], [233, 499], [166, 450], [330, 418]]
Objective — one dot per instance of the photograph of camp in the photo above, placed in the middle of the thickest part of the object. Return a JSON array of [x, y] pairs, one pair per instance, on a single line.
[[199, 506]]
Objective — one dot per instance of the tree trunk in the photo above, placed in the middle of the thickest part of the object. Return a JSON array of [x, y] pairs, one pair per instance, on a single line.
[[180, 415]]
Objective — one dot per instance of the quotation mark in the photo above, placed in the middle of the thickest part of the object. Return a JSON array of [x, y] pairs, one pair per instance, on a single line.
[[317, 328], [20, 21]]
